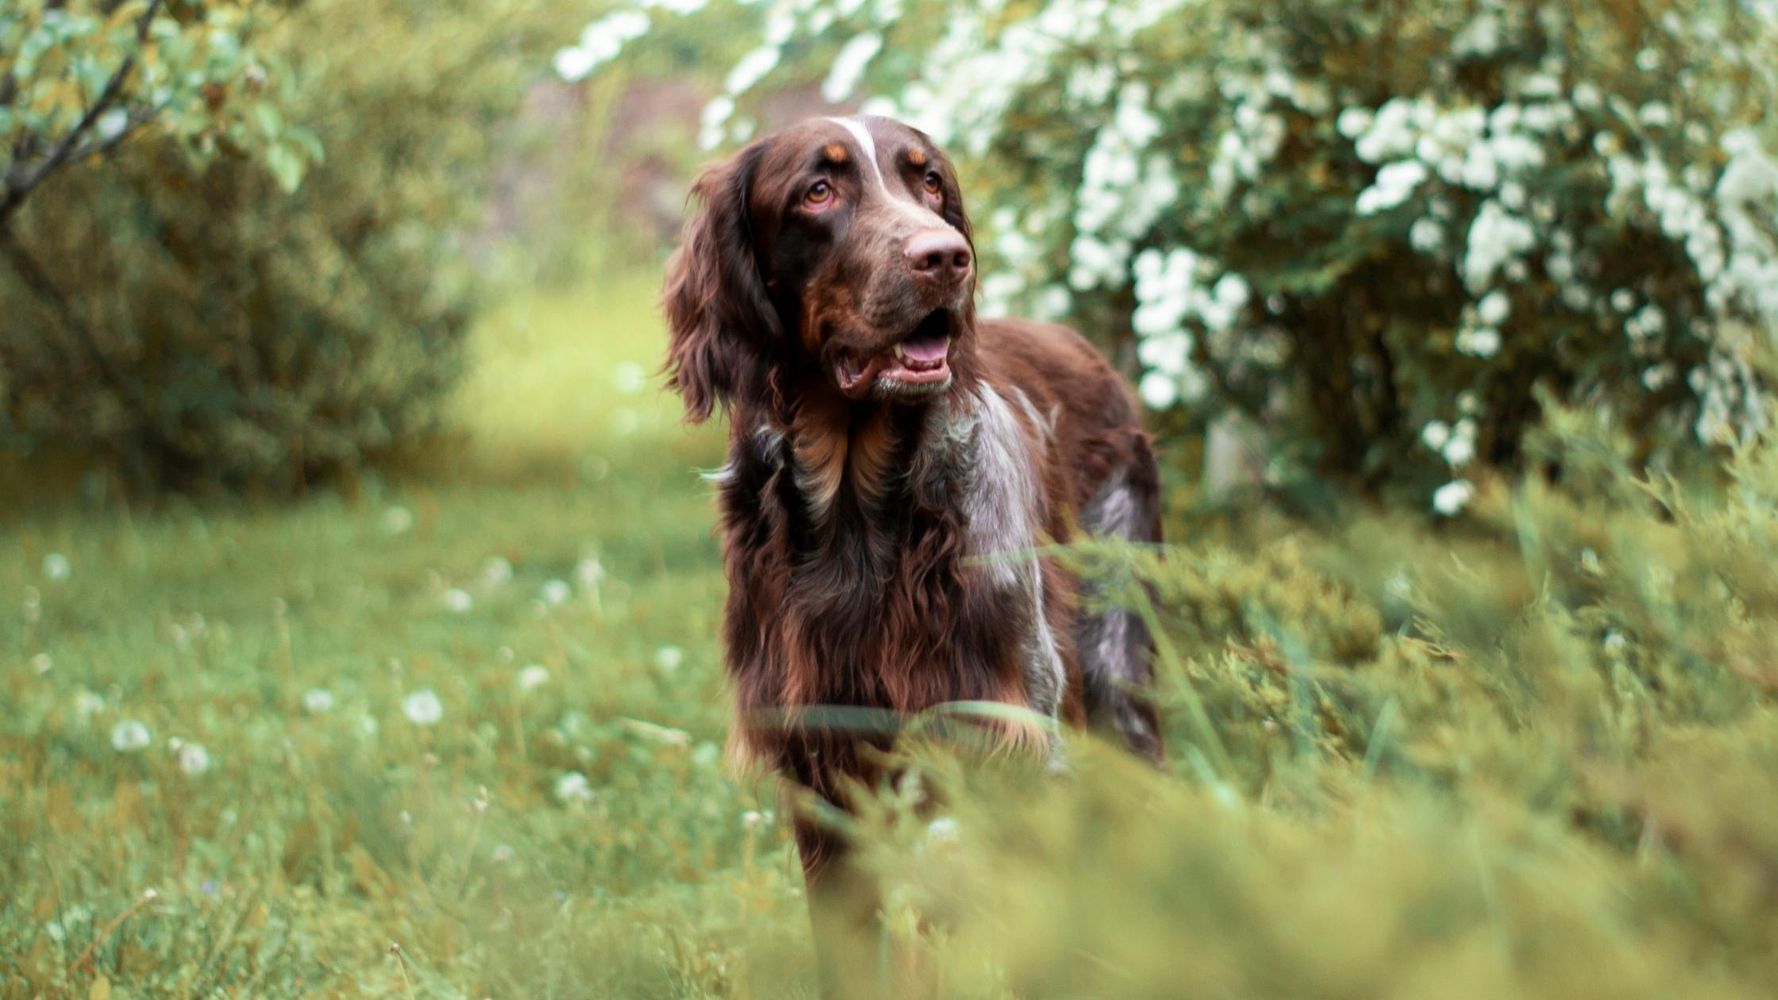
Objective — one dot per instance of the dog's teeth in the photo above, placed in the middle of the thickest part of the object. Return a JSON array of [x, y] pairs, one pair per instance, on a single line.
[[900, 355]]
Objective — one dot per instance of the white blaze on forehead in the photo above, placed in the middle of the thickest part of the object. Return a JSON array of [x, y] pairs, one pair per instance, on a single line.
[[868, 144], [865, 142]]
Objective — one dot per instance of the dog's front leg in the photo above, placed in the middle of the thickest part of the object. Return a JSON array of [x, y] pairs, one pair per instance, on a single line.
[[845, 915]]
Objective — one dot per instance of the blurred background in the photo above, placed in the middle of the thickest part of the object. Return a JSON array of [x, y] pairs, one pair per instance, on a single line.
[[358, 582]]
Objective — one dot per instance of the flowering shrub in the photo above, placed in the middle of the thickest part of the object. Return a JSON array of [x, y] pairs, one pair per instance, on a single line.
[[1376, 230]]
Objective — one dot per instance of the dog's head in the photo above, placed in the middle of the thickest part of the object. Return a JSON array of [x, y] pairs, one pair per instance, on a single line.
[[834, 252]]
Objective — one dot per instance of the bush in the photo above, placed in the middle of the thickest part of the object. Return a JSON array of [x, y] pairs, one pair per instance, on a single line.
[[1373, 229], [247, 338], [1532, 754]]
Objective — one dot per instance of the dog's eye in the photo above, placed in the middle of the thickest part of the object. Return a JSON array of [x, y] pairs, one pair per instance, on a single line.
[[819, 193], [934, 183]]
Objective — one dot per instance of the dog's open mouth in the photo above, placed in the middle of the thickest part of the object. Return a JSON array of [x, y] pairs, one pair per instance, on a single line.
[[918, 364]]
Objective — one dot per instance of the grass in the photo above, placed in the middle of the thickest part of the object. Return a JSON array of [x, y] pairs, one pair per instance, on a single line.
[[1532, 756]]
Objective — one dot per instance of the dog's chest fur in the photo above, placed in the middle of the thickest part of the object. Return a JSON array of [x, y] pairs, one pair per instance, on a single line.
[[901, 561]]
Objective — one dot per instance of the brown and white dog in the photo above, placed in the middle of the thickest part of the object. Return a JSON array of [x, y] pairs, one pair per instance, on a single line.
[[894, 462]]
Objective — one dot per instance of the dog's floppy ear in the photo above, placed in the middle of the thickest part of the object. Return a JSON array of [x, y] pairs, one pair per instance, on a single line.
[[719, 319]]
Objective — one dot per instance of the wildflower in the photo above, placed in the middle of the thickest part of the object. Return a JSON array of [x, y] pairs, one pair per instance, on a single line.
[[589, 572], [753, 819], [396, 520], [942, 830], [129, 736], [193, 759], [574, 787], [458, 600], [555, 592], [422, 707], [1158, 390], [1483, 342], [1494, 308], [854, 57], [317, 701], [669, 658], [56, 567], [503, 853], [533, 677], [1394, 184], [41, 664], [1452, 497], [88, 704], [496, 572]]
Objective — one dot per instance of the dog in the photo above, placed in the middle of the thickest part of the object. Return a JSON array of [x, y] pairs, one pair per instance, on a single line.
[[894, 464]]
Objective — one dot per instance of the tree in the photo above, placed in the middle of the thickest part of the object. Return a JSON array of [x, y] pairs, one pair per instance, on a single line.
[[1380, 230], [78, 79]]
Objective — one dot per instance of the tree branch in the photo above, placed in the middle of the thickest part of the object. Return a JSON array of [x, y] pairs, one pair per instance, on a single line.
[[21, 179]]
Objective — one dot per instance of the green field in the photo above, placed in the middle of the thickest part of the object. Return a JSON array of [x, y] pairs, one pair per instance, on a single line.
[[475, 711]]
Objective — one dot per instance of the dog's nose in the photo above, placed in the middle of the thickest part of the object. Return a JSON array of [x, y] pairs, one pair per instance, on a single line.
[[940, 255]]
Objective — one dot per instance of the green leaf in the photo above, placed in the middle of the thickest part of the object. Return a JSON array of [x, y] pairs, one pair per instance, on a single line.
[[286, 167]]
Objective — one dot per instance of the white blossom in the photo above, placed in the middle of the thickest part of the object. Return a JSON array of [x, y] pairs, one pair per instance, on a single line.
[[193, 759], [422, 707], [533, 676], [56, 567], [129, 736], [1451, 498], [573, 787]]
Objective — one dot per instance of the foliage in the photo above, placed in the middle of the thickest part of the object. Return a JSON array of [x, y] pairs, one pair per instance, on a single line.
[[77, 79], [242, 335], [1375, 230], [1532, 753]]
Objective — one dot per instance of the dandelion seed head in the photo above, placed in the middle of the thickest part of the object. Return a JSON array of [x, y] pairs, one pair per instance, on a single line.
[[422, 707], [129, 736]]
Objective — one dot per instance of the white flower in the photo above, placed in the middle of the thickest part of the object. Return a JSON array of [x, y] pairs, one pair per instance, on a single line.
[[1354, 122], [1158, 390], [129, 736], [1452, 497], [88, 704], [751, 69], [574, 787], [56, 567], [574, 63], [668, 658], [397, 520], [1426, 235], [1435, 434], [555, 592], [1459, 450], [942, 830], [503, 853], [1494, 308], [193, 758], [533, 677], [422, 707], [1482, 342], [753, 819], [1394, 184], [458, 600], [849, 66], [590, 572], [496, 572], [41, 664], [317, 701], [1496, 238]]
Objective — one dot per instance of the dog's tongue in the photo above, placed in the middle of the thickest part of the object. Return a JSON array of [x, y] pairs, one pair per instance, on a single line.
[[926, 348]]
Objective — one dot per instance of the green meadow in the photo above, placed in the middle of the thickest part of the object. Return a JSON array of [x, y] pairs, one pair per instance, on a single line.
[[457, 732]]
